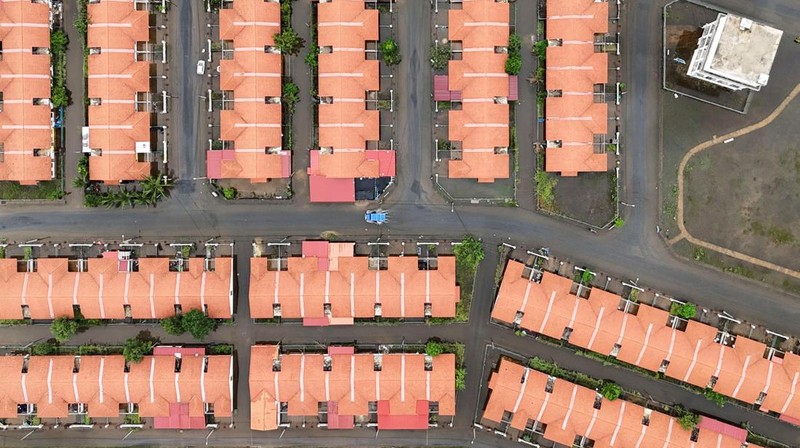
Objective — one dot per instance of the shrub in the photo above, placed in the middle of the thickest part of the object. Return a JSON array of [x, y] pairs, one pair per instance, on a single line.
[[469, 252], [290, 95], [716, 397], [440, 56], [63, 328], [610, 391], [434, 348], [619, 222], [513, 64], [685, 310], [688, 420], [172, 325], [390, 52], [540, 50], [461, 374], [229, 193], [312, 58], [43, 348], [197, 324], [135, 349], [586, 276], [514, 43]]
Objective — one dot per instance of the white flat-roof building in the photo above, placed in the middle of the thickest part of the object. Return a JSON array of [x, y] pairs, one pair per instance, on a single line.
[[735, 53]]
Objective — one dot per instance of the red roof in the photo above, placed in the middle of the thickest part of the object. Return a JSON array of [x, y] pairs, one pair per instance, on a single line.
[[171, 350], [340, 350], [386, 162], [441, 88], [316, 321], [388, 421], [336, 421], [735, 432], [179, 418], [329, 189], [317, 249], [513, 88]]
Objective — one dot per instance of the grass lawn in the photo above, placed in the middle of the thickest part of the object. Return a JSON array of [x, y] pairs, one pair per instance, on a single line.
[[465, 277], [50, 190]]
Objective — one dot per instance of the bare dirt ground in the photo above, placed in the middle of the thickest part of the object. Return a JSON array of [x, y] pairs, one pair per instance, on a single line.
[[587, 197], [745, 195]]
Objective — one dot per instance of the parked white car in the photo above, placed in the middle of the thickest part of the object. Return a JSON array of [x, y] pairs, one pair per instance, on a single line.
[[201, 67]]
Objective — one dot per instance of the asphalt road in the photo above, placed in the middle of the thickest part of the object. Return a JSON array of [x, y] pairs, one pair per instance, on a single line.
[[634, 251]]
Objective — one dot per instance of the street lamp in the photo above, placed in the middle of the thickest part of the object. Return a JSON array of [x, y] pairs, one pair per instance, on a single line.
[[627, 205]]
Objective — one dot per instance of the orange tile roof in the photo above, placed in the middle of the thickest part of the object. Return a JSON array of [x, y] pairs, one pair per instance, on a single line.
[[115, 77], [481, 125], [303, 384], [102, 384], [351, 288], [573, 67], [103, 290], [568, 411], [645, 340], [25, 76], [345, 76], [252, 75]]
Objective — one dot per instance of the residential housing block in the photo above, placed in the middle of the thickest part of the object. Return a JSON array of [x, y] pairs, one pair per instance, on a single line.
[[349, 164], [26, 132], [250, 135], [340, 389], [650, 338], [575, 124], [330, 285]]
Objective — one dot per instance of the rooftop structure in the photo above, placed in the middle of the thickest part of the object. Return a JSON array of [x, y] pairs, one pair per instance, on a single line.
[[481, 127], [535, 404], [115, 286], [650, 338], [735, 53], [346, 127], [179, 388], [573, 118], [26, 145], [250, 80], [343, 388], [330, 285], [119, 135]]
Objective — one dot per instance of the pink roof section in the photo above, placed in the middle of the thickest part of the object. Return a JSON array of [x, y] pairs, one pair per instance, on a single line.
[[252, 75], [104, 290], [568, 411], [102, 384], [402, 387], [115, 77], [345, 124], [574, 68], [24, 76], [645, 340], [330, 274], [479, 77]]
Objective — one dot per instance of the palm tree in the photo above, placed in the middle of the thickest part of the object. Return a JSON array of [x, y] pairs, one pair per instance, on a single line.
[[154, 188], [109, 200]]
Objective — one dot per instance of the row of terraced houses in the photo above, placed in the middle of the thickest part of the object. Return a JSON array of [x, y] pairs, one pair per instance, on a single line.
[[123, 137]]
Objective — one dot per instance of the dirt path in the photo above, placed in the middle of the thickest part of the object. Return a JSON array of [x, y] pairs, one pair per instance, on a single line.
[[706, 145]]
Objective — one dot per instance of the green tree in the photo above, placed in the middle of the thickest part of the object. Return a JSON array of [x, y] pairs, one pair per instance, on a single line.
[[172, 325], [58, 42], [684, 310], [440, 56], [514, 43], [514, 64], [461, 374], [610, 391], [540, 50], [155, 188], [688, 420], [716, 397], [469, 252], [135, 349], [434, 348], [290, 95], [390, 52], [63, 328], [289, 41], [312, 58], [43, 348], [229, 193], [197, 324], [59, 96]]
